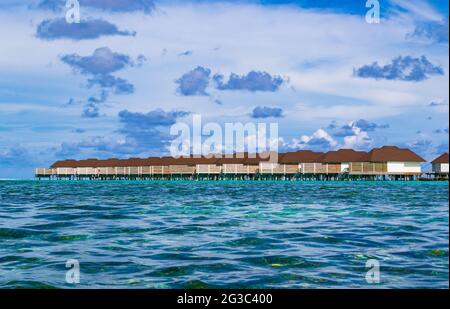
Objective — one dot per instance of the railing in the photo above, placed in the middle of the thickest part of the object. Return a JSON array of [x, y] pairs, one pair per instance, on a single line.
[[354, 168], [368, 168]]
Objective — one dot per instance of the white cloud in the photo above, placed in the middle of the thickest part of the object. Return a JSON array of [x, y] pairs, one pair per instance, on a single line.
[[319, 140], [359, 140], [356, 138]]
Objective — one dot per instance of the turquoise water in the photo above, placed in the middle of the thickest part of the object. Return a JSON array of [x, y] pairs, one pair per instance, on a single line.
[[224, 234]]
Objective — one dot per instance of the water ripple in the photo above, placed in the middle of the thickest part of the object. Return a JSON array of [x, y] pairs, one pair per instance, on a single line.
[[223, 234]]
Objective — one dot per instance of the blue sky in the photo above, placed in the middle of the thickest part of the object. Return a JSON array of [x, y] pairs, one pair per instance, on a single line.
[[113, 85]]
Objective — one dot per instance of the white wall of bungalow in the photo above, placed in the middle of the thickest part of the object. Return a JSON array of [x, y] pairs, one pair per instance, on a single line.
[[440, 164], [404, 167], [440, 168]]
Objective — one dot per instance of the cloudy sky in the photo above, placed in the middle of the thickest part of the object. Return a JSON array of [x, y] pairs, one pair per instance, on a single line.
[[112, 85]]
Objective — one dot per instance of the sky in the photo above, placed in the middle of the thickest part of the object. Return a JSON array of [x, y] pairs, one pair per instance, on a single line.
[[113, 85]]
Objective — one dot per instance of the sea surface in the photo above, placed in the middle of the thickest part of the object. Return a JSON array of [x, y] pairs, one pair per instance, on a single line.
[[230, 234]]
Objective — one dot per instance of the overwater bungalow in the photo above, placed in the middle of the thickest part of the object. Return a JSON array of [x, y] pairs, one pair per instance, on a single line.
[[63, 169], [208, 166], [232, 164], [179, 167], [158, 167], [192, 165], [388, 161], [337, 162], [440, 165], [106, 168], [87, 168], [256, 163], [304, 161]]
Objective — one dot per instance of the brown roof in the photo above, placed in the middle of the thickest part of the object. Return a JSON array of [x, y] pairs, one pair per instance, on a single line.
[[64, 163], [135, 162], [301, 156], [191, 160], [227, 160], [235, 158], [391, 153], [256, 158], [120, 162], [383, 154], [109, 163], [155, 161], [87, 163], [443, 158], [342, 155]]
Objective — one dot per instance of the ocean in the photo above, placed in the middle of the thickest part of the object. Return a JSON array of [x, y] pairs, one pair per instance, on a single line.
[[224, 234]]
